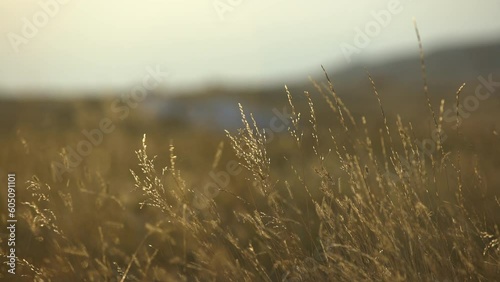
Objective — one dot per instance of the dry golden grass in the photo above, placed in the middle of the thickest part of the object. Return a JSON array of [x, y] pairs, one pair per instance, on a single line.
[[350, 199], [344, 205]]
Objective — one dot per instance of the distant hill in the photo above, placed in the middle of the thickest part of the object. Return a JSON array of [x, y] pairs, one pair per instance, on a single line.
[[399, 81], [447, 65]]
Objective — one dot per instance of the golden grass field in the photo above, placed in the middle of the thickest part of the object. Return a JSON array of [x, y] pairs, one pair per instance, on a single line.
[[339, 190]]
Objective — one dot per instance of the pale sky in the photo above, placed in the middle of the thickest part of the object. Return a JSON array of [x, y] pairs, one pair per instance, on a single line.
[[109, 43]]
